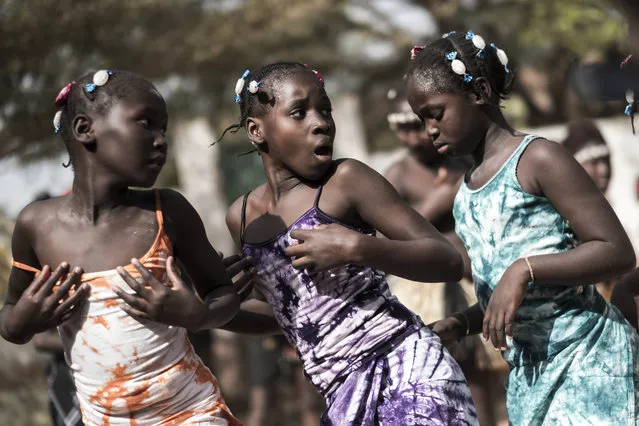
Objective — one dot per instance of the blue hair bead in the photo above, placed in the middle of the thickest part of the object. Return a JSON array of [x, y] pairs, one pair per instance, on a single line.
[[469, 35], [246, 73], [468, 78], [451, 56], [628, 110], [237, 99], [481, 54], [90, 87]]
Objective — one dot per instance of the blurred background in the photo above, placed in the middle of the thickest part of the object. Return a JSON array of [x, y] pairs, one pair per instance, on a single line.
[[565, 53]]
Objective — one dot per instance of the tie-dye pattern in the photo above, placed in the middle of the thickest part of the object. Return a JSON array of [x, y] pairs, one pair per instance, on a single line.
[[136, 372], [372, 359], [573, 358]]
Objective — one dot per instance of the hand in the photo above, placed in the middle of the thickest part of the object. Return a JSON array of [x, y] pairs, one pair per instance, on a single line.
[[449, 330], [500, 312], [324, 247], [235, 265], [41, 308], [172, 303]]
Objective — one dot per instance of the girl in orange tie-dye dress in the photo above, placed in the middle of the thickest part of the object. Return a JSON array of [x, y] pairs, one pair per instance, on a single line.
[[128, 369]]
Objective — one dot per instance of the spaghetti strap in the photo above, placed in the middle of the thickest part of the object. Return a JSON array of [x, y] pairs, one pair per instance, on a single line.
[[318, 195], [243, 218], [158, 207], [25, 267]]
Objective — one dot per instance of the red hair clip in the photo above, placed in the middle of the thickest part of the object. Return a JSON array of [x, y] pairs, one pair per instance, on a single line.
[[61, 99], [319, 76], [625, 61], [415, 50]]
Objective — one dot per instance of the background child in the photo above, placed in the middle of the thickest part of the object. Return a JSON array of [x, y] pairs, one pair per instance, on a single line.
[[428, 182], [310, 232], [126, 368], [539, 234]]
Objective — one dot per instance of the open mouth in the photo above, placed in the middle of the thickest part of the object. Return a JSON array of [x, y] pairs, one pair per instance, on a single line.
[[324, 151], [158, 161]]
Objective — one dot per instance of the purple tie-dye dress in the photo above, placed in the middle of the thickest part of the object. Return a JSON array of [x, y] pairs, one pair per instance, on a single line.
[[371, 358]]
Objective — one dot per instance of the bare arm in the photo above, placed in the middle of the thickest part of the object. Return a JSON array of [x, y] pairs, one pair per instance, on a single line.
[[413, 249], [200, 260], [604, 250]]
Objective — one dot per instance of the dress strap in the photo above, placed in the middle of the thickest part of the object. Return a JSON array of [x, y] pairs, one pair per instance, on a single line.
[[158, 207], [317, 196], [243, 217], [25, 267]]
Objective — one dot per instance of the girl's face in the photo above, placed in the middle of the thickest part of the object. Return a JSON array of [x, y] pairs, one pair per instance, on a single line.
[[299, 129], [130, 138], [454, 121]]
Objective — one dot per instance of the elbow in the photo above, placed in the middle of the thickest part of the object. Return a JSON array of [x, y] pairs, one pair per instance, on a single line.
[[456, 267], [626, 262]]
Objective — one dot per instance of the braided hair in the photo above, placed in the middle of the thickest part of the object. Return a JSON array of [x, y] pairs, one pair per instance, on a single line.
[[258, 104], [98, 102], [431, 66]]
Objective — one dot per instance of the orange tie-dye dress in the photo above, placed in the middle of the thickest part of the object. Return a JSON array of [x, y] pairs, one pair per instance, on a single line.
[[137, 372]]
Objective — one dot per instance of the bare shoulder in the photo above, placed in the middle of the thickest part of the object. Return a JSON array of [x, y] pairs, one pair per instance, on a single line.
[[38, 214], [544, 152], [348, 170], [396, 171]]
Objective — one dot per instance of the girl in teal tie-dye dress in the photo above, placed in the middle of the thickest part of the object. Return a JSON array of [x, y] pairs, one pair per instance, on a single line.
[[539, 234]]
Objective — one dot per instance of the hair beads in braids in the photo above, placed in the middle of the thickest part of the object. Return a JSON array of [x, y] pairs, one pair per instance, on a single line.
[[430, 66], [258, 104]]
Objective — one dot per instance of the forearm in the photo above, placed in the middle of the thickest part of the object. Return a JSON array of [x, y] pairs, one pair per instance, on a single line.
[[222, 305], [254, 317], [474, 315], [9, 332], [48, 341], [588, 263], [426, 259]]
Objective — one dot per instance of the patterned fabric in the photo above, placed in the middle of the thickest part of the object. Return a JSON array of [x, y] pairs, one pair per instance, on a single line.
[[350, 332], [136, 372], [573, 357]]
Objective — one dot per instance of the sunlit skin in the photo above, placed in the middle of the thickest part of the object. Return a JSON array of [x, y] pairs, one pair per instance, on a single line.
[[468, 123], [92, 227]]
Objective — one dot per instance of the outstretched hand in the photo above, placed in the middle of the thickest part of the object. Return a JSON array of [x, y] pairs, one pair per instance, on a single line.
[[324, 247], [499, 317], [42, 307], [173, 303]]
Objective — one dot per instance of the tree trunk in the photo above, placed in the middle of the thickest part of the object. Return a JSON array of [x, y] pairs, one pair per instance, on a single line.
[[350, 140], [200, 178]]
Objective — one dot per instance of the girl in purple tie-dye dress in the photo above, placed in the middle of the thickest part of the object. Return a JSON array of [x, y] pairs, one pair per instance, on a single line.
[[310, 231]]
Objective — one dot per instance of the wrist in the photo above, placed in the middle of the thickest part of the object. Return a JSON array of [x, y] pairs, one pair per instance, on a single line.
[[523, 271], [354, 251], [462, 324]]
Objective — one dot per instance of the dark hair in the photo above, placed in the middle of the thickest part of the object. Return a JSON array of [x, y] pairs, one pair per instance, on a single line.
[[80, 101], [581, 133], [431, 65], [256, 105]]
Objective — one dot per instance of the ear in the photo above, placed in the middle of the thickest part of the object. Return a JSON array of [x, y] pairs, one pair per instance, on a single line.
[[483, 91], [82, 128], [255, 131]]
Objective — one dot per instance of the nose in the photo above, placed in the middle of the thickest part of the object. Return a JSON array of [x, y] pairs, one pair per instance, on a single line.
[[160, 143], [432, 129], [321, 125]]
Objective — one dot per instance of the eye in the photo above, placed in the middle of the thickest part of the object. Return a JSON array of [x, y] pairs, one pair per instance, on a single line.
[[327, 111], [298, 114], [144, 122]]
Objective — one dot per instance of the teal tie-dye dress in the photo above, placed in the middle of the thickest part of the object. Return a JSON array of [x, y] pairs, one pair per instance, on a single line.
[[573, 357]]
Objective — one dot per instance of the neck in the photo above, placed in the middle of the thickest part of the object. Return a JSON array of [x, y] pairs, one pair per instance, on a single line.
[[280, 179], [94, 195], [497, 131]]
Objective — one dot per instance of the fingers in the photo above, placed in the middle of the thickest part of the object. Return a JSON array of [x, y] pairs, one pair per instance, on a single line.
[[486, 324], [301, 234], [38, 281], [509, 322], [132, 282], [172, 272], [131, 299], [304, 262], [72, 280], [244, 285], [497, 332], [239, 266], [147, 276], [137, 314], [228, 261], [296, 250], [71, 304], [51, 281]]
